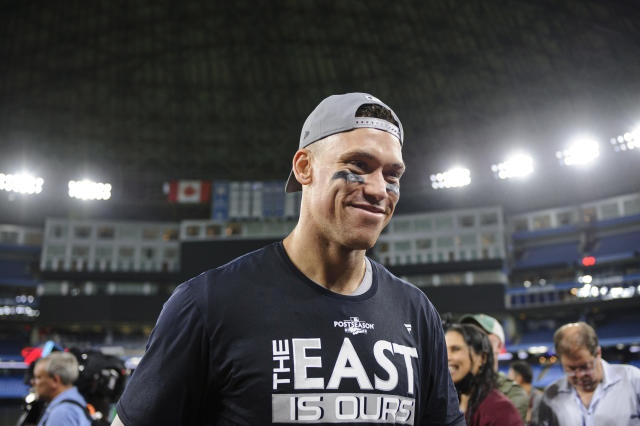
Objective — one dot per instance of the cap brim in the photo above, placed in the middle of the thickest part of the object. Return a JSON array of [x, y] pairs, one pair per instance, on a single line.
[[292, 184]]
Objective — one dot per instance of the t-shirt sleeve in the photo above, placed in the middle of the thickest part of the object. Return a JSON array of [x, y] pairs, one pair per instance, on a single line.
[[169, 384], [439, 396]]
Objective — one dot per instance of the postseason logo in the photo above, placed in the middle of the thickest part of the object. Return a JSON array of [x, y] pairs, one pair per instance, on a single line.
[[354, 326]]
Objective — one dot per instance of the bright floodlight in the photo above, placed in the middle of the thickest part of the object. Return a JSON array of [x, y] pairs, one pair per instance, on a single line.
[[517, 166], [23, 183], [628, 141], [452, 178], [582, 150], [89, 190]]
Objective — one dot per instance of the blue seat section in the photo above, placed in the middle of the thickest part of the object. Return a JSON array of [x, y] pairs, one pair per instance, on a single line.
[[13, 387], [14, 269], [537, 337], [630, 327], [11, 348], [14, 248], [618, 221], [18, 282], [16, 273], [624, 330], [614, 244], [550, 254], [550, 375], [525, 235]]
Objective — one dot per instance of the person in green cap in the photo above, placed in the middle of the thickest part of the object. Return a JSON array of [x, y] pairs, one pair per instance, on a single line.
[[508, 387]]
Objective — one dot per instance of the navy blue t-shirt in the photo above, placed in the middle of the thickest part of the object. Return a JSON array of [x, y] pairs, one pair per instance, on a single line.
[[257, 342]]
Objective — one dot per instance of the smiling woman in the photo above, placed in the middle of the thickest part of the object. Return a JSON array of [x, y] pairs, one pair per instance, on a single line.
[[470, 360]]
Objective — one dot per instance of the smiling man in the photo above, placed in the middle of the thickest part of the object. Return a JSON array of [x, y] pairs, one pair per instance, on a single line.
[[593, 392], [307, 330]]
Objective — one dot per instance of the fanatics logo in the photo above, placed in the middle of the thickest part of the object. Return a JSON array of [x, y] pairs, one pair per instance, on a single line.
[[354, 326]]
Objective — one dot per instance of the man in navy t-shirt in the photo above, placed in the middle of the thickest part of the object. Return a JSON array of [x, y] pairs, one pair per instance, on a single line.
[[307, 330]]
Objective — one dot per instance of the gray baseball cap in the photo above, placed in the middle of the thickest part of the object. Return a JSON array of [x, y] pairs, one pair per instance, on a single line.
[[337, 114]]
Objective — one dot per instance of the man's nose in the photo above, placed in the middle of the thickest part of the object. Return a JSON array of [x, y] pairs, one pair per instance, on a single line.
[[375, 187], [582, 372]]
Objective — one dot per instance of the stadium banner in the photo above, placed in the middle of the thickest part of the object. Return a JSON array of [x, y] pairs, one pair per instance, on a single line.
[[258, 200], [189, 191], [220, 206], [292, 204]]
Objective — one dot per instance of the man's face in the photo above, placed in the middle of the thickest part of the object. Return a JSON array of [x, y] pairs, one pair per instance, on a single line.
[[44, 385], [496, 345], [515, 376], [583, 370], [355, 187], [460, 358]]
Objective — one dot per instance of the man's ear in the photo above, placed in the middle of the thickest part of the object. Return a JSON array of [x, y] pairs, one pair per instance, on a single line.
[[56, 378], [302, 166]]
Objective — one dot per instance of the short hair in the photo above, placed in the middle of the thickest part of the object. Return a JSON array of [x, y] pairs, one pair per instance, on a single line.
[[63, 365], [575, 335], [523, 369], [376, 111]]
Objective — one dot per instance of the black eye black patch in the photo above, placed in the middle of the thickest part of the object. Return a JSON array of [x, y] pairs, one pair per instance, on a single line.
[[354, 178], [348, 176], [392, 187]]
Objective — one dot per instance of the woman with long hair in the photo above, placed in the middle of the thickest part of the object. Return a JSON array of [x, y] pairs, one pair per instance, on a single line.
[[471, 367]]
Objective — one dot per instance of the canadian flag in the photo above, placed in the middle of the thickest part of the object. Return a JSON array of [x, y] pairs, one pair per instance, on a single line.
[[189, 191]]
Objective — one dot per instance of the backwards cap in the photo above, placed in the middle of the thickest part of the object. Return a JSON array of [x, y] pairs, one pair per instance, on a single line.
[[337, 114], [487, 323]]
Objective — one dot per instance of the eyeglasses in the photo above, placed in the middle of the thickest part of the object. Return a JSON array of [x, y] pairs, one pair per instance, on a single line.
[[587, 368]]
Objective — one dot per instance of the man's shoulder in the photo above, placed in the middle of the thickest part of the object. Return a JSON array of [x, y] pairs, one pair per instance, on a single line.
[[72, 394], [250, 263], [386, 277], [509, 387], [626, 371], [69, 409], [555, 389]]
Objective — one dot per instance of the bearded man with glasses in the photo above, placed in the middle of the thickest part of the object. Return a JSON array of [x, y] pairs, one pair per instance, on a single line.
[[593, 392]]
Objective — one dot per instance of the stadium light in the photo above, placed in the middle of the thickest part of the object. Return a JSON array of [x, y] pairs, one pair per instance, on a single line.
[[22, 183], [456, 177], [581, 151], [628, 141], [516, 166], [89, 190]]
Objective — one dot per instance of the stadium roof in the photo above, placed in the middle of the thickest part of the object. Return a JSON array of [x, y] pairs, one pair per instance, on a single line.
[[139, 93]]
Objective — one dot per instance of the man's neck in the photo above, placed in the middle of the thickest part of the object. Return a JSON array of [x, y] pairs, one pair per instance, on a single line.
[[585, 396], [59, 391], [526, 387], [334, 267]]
